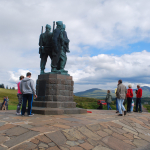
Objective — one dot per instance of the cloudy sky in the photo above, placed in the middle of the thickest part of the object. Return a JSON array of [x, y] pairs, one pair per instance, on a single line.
[[109, 40]]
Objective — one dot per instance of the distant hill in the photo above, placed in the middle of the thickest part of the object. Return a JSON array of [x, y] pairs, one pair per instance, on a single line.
[[101, 94]]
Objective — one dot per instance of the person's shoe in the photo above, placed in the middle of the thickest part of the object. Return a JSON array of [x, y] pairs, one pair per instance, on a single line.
[[120, 115], [117, 111], [18, 114], [125, 113], [22, 115], [135, 111], [31, 115], [140, 111]]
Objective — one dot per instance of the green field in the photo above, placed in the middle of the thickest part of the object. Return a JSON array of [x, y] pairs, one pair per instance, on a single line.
[[12, 107], [12, 95], [90, 103], [82, 102], [147, 107]]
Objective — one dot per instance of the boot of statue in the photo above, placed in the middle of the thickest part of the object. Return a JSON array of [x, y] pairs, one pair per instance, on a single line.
[[55, 70], [42, 71]]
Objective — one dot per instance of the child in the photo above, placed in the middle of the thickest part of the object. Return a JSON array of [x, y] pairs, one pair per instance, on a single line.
[[4, 104], [132, 105], [108, 99]]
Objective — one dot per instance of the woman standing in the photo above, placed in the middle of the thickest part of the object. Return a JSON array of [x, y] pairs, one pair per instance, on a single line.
[[129, 97], [108, 99]]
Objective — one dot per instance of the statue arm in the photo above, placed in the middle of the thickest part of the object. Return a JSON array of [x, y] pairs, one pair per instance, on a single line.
[[66, 40]]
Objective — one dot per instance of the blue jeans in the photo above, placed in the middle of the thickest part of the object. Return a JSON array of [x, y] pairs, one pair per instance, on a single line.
[[138, 103], [29, 98], [117, 104], [108, 106], [120, 105]]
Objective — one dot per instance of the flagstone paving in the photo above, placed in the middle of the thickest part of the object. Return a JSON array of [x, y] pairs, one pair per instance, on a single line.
[[99, 130]]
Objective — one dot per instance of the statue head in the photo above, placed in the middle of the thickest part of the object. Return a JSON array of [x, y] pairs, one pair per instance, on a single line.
[[48, 28], [64, 27], [59, 24]]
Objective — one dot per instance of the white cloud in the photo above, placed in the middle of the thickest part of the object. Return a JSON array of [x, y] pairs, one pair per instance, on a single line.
[[99, 24], [103, 71]]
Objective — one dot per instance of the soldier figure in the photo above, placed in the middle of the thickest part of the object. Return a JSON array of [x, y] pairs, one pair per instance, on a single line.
[[57, 45], [45, 50], [63, 57]]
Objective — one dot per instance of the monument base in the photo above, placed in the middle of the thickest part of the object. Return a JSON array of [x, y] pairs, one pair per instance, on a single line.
[[55, 95]]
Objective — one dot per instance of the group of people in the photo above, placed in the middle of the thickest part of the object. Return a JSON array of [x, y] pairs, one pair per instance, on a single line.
[[121, 94], [26, 92], [5, 103]]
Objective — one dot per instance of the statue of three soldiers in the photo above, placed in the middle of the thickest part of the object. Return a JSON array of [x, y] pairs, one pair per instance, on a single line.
[[55, 45]]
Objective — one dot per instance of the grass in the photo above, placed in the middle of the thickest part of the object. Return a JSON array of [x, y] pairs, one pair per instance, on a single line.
[[12, 107], [12, 95], [147, 107], [82, 102], [90, 103]]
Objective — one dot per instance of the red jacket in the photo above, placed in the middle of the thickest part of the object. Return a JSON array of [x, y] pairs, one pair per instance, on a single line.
[[139, 93], [129, 93]]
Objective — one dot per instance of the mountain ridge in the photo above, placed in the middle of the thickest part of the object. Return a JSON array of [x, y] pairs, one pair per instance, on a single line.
[[100, 93]]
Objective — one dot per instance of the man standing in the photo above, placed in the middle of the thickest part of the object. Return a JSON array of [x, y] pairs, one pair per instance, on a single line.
[[19, 95], [65, 48], [138, 99], [58, 45], [121, 94], [28, 90], [45, 50]]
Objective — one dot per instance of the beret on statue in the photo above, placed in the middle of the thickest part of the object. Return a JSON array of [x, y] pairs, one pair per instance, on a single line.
[[59, 23], [48, 26]]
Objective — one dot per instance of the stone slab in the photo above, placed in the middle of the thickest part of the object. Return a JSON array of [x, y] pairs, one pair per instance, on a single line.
[[57, 137], [75, 133], [25, 146], [16, 131], [89, 133], [57, 111], [3, 148], [140, 142], [6, 126], [54, 104], [2, 123], [20, 138], [72, 119], [116, 144]]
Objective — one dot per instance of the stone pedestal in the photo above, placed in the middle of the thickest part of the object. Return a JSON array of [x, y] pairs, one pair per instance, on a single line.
[[55, 95]]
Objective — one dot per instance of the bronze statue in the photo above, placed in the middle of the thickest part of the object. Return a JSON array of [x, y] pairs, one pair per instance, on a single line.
[[55, 45], [65, 48], [45, 50]]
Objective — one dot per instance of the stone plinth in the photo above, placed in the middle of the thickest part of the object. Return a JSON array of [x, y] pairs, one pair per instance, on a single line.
[[55, 95]]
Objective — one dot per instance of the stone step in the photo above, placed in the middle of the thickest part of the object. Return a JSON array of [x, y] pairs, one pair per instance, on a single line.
[[50, 104], [57, 111]]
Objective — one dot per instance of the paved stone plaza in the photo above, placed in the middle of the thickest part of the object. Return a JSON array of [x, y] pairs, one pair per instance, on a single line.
[[99, 130]]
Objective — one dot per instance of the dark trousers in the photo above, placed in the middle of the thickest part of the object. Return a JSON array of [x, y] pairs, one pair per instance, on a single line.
[[138, 103], [129, 102], [29, 98], [20, 102]]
